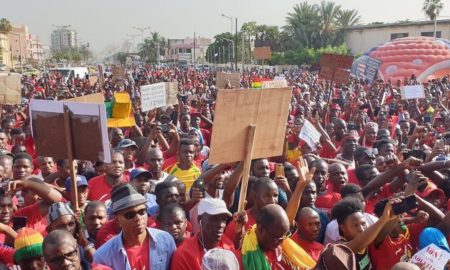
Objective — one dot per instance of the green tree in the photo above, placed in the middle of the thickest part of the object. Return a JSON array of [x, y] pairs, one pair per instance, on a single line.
[[319, 25], [5, 26], [148, 50], [220, 51], [432, 8]]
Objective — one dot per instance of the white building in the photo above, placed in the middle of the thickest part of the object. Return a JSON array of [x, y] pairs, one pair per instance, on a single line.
[[183, 51], [361, 38], [63, 38]]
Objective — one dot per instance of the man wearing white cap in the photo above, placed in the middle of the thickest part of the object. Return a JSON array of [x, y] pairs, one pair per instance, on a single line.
[[212, 217]]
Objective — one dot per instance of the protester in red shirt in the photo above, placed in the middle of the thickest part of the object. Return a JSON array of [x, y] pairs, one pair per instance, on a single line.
[[308, 231], [100, 187], [212, 215]]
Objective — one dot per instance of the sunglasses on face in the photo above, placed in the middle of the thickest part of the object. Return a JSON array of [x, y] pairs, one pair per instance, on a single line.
[[132, 214]]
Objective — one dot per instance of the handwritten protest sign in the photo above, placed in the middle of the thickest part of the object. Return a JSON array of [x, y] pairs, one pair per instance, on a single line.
[[366, 68], [262, 53], [431, 257], [10, 89], [412, 92], [234, 79], [236, 110], [310, 135], [158, 95], [88, 130], [92, 98], [274, 84]]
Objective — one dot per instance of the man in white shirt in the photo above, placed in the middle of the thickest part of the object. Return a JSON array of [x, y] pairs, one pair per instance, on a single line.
[[155, 160]]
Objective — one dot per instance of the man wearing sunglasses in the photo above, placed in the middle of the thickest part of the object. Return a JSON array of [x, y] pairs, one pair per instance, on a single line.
[[136, 247]]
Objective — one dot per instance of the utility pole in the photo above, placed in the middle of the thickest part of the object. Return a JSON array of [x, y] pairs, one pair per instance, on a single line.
[[243, 53], [194, 48], [142, 30], [235, 47]]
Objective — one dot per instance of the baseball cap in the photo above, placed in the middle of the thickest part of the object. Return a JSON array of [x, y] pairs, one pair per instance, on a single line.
[[126, 143], [135, 173], [81, 181], [212, 207]]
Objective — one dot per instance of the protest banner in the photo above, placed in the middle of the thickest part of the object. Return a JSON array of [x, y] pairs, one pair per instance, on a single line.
[[10, 89], [233, 79], [310, 135], [412, 92], [262, 53], [158, 95], [274, 84], [366, 68], [249, 124], [431, 257], [84, 135]]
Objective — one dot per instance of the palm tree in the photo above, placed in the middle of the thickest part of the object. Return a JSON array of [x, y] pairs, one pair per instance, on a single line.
[[302, 24], [149, 48], [432, 8], [328, 12], [346, 18], [5, 26]]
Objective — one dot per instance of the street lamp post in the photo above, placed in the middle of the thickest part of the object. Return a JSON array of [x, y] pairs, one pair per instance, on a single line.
[[142, 30], [231, 32], [230, 55]]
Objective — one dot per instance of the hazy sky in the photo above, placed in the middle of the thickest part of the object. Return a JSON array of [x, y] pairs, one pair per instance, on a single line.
[[108, 22]]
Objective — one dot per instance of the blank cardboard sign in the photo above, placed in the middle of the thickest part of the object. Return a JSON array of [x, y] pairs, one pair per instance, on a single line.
[[10, 89], [237, 109]]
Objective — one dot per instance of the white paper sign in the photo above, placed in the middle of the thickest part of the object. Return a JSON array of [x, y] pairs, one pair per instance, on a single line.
[[153, 96], [310, 135], [274, 84], [431, 257], [412, 92]]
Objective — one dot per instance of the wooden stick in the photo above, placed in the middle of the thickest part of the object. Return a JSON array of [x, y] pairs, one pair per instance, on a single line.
[[69, 146], [246, 170]]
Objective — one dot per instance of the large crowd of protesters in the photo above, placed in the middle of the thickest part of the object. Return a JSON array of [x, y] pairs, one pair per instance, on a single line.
[[371, 194]]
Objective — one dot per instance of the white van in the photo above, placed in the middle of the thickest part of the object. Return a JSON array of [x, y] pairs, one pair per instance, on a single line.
[[66, 72]]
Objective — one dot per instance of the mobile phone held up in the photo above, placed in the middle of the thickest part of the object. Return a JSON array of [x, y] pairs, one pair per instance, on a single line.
[[406, 205]]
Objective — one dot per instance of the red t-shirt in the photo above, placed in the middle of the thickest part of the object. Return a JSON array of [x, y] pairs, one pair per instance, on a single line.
[[327, 152], [275, 261], [112, 228], [138, 256], [313, 249], [35, 219], [384, 193], [352, 178], [230, 230], [390, 252], [190, 254], [326, 201], [99, 189]]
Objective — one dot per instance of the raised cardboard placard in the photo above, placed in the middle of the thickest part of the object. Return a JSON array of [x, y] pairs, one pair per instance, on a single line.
[[262, 53], [118, 74], [236, 110], [92, 98], [274, 84], [234, 79], [412, 92], [335, 67], [158, 95], [88, 130], [10, 89]]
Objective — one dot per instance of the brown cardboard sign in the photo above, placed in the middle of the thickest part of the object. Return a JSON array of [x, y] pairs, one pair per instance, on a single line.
[[92, 98], [334, 66], [236, 110], [87, 128], [10, 89], [262, 53], [118, 74], [224, 78]]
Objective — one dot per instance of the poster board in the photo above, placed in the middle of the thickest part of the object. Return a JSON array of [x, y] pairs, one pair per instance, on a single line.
[[92, 98], [366, 68], [88, 124], [93, 79], [118, 74], [310, 135], [223, 78], [330, 62], [236, 110], [10, 89], [158, 95], [431, 257], [262, 53], [412, 92]]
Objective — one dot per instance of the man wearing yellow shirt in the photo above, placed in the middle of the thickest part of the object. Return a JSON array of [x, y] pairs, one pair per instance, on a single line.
[[185, 169]]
